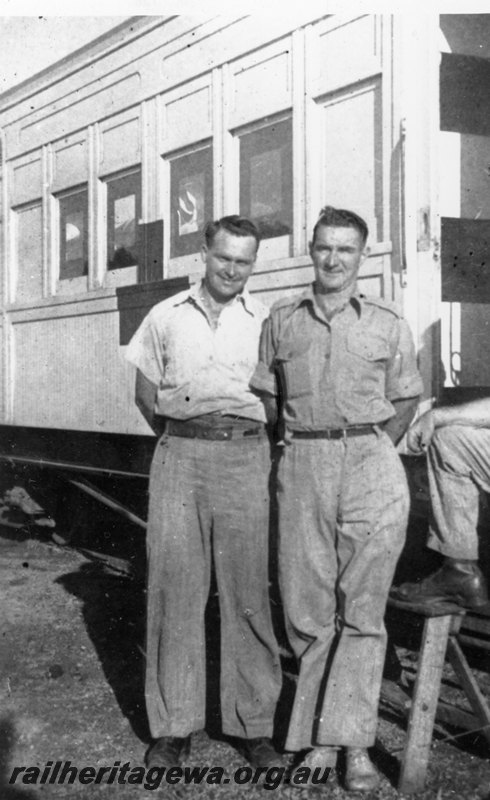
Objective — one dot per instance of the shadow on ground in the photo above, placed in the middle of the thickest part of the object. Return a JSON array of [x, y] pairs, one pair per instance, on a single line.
[[114, 614], [7, 741]]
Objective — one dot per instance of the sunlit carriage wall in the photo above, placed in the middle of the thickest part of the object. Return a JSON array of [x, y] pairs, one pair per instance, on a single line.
[[169, 121]]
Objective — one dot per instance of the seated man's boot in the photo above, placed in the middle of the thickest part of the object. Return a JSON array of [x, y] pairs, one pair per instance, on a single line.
[[360, 774], [168, 751], [459, 582]]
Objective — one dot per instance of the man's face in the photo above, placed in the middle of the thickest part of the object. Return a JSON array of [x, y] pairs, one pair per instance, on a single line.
[[337, 254], [229, 262]]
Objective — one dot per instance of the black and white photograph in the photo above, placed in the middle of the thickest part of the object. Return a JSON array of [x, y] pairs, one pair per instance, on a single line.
[[244, 400]]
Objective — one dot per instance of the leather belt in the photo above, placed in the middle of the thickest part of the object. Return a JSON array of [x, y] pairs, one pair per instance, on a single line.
[[192, 430], [335, 433]]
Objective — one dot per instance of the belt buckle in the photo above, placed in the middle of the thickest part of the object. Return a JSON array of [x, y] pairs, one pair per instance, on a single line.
[[338, 434]]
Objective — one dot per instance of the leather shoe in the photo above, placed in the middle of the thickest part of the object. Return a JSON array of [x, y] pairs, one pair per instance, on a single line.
[[168, 751], [360, 775], [260, 752], [321, 762], [459, 582], [320, 757]]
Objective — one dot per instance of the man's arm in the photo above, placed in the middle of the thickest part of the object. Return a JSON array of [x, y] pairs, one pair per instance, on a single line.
[[145, 396], [475, 413], [263, 381], [397, 426]]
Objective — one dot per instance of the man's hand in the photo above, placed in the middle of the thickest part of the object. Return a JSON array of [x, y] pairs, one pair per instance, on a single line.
[[420, 433], [270, 406]]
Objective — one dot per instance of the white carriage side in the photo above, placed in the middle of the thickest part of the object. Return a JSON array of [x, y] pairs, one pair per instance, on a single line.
[[158, 125], [113, 158]]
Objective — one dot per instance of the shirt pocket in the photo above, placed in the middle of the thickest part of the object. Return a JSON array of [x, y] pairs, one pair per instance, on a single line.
[[293, 367], [367, 345]]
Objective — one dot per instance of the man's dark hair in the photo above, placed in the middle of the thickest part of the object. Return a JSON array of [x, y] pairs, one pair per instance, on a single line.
[[340, 218], [234, 224]]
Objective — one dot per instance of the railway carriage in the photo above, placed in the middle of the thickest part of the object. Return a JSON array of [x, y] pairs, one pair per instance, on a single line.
[[113, 158]]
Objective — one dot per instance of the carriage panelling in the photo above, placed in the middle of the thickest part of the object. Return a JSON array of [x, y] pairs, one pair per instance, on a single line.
[[219, 116]]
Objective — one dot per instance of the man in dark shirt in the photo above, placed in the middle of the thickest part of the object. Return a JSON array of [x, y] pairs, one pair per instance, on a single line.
[[342, 368]]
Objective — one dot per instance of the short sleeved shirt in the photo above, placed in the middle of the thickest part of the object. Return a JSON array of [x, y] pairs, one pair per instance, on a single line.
[[337, 373], [199, 370]]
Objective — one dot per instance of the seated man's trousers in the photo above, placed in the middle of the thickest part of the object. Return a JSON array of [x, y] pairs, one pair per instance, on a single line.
[[459, 467]]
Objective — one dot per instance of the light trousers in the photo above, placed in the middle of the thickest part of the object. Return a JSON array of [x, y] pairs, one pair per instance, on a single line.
[[343, 509], [209, 504], [459, 467]]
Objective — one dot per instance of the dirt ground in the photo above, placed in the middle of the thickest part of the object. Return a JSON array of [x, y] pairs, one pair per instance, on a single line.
[[72, 656]]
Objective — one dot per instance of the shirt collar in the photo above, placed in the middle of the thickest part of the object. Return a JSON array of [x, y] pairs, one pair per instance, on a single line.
[[308, 296], [193, 295]]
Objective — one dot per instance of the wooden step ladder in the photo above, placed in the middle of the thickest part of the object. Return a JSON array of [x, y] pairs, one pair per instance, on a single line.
[[441, 629]]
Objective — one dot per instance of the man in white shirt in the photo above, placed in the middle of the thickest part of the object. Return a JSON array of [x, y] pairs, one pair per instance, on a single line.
[[209, 504]]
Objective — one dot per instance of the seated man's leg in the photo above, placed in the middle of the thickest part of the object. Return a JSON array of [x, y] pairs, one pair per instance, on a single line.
[[458, 467]]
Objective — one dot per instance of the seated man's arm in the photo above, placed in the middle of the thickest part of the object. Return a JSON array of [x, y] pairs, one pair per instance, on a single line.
[[145, 396], [475, 413]]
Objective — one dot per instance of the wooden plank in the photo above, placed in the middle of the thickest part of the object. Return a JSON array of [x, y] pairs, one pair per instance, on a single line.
[[470, 686], [477, 625], [472, 641], [424, 704], [398, 699]]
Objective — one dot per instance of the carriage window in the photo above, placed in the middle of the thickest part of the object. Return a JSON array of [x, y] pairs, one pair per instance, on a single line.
[[266, 178], [191, 198], [123, 214], [73, 212]]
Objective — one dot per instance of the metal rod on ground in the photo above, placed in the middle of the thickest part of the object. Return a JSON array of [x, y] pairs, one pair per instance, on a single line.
[[108, 501]]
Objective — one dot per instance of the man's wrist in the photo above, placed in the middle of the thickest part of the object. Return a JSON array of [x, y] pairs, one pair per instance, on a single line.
[[440, 416]]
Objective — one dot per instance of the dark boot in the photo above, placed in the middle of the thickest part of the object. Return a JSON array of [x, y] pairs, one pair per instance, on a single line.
[[168, 751], [459, 582]]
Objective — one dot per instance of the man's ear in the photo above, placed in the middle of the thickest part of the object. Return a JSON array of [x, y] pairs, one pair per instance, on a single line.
[[310, 248], [365, 253], [204, 252]]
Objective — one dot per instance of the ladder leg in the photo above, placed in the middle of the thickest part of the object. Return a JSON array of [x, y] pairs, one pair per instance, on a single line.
[[469, 684], [424, 704]]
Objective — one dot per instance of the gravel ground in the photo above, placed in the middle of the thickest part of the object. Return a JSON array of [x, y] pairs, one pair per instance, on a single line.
[[71, 688]]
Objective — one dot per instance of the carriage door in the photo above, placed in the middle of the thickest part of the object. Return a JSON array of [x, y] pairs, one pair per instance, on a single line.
[[464, 196]]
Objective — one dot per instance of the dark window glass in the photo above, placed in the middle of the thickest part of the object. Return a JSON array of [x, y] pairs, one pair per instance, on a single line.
[[123, 213], [266, 178], [191, 198], [73, 210]]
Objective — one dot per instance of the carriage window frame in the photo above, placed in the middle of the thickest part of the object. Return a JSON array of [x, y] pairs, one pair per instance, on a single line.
[[194, 168], [73, 210], [264, 163], [120, 186]]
